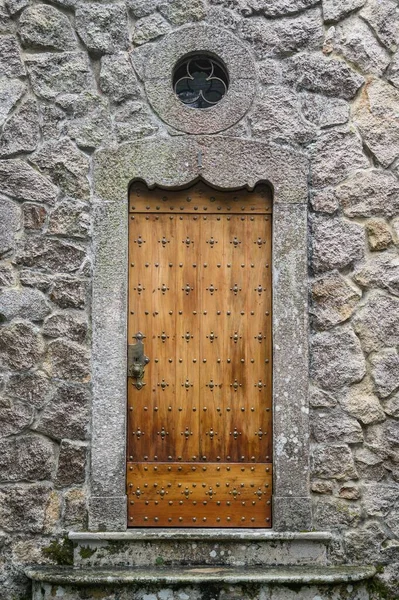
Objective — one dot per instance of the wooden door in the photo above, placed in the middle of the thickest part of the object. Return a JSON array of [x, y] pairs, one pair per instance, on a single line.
[[199, 413]]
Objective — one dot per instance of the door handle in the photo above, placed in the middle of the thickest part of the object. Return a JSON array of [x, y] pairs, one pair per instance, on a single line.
[[137, 360]]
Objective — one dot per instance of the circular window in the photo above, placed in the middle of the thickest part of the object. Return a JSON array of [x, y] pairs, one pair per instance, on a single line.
[[200, 81]]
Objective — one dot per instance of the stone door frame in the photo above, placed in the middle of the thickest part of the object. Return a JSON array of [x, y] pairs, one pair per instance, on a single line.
[[225, 163]]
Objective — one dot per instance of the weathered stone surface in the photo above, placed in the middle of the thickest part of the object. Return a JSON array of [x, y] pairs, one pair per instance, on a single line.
[[149, 28], [33, 388], [349, 492], [67, 167], [335, 426], [34, 216], [380, 272], [324, 200], [24, 303], [333, 462], [14, 417], [383, 18], [382, 439], [280, 8], [334, 512], [368, 464], [322, 111], [356, 43], [19, 180], [142, 8], [26, 458], [7, 275], [7, 25], [89, 121], [14, 6], [378, 499], [337, 358], [335, 10], [385, 371], [53, 119], [391, 406], [21, 346], [321, 399], [102, 27], [270, 71], [134, 121], [336, 243], [38, 280], [322, 487], [68, 360], [379, 234], [49, 255], [53, 73], [44, 27], [69, 292], [11, 91], [393, 73], [284, 36], [66, 325], [277, 116], [75, 510], [10, 59], [117, 78], [327, 76], [334, 155], [361, 402], [67, 415], [10, 223], [376, 114], [71, 219], [370, 193], [225, 18], [334, 300], [23, 507], [71, 464], [365, 543], [179, 12], [21, 133], [377, 323]]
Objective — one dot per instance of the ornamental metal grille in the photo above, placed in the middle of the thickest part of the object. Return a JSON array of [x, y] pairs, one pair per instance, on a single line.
[[200, 81]]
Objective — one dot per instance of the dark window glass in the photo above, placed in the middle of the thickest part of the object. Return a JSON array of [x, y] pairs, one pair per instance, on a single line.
[[200, 81]]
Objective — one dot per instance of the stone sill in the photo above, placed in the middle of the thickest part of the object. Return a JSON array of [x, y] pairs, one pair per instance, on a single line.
[[198, 575], [199, 534]]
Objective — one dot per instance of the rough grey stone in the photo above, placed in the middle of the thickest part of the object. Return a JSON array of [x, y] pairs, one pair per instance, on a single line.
[[75, 510], [369, 193], [117, 78], [368, 464], [322, 487], [67, 415], [102, 27], [334, 155], [225, 18], [380, 272], [24, 303], [377, 323], [361, 402], [19, 180], [335, 426], [71, 464], [89, 121], [284, 36], [393, 72], [52, 121], [66, 3], [336, 243], [378, 499], [21, 133], [322, 111], [375, 112], [270, 71], [179, 12], [356, 43], [7, 275], [133, 121], [70, 218], [53, 73], [38, 280], [11, 91], [364, 545], [65, 325], [10, 223], [149, 28], [333, 462], [14, 6], [378, 234], [321, 399], [280, 8], [349, 492], [21, 346], [334, 512], [33, 388], [67, 167], [382, 439], [45, 27], [14, 417], [68, 360], [391, 406], [69, 292], [337, 358], [385, 371], [334, 300], [335, 10], [34, 216], [324, 200], [277, 116], [142, 8], [327, 76], [23, 507], [26, 458], [10, 59], [49, 255], [383, 17]]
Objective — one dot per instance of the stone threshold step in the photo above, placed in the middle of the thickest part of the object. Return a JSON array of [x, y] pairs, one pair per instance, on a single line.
[[198, 575]]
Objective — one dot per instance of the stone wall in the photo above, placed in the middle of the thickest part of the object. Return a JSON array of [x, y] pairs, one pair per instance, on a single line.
[[328, 82]]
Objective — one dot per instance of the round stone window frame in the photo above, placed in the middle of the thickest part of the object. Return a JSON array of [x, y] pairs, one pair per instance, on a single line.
[[200, 39]]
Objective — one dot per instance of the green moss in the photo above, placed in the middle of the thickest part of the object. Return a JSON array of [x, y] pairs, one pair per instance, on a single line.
[[87, 552], [379, 591], [60, 551], [159, 561]]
